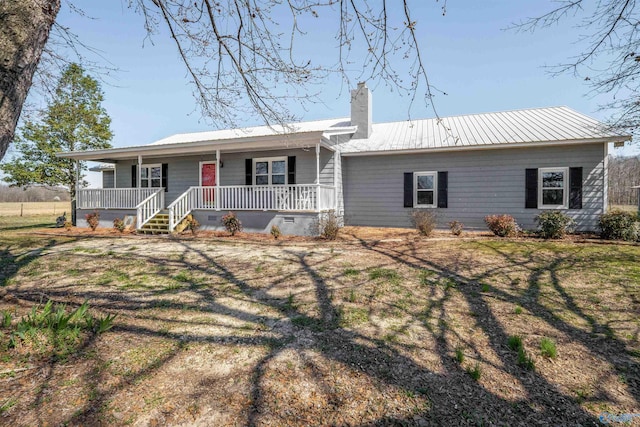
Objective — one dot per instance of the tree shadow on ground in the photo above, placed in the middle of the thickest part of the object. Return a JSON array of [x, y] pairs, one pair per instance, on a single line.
[[454, 398]]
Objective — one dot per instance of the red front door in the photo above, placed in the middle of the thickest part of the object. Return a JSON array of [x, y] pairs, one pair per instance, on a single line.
[[208, 174], [208, 179]]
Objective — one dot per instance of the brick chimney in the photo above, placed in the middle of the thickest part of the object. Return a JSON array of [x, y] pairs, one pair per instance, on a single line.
[[361, 111]]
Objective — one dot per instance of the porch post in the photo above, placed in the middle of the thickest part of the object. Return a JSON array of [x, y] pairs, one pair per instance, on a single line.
[[318, 177], [217, 201], [139, 184], [74, 202]]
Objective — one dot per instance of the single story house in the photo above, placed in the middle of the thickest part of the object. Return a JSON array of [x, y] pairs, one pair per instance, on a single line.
[[371, 174]]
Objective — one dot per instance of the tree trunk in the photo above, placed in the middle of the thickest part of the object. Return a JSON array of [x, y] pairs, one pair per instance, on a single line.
[[24, 30]]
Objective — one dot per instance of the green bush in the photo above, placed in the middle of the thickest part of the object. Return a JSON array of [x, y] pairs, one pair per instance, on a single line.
[[502, 225], [619, 225], [554, 224], [424, 221], [232, 223]]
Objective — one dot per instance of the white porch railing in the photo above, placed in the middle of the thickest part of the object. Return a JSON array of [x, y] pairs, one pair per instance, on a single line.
[[149, 207], [112, 198], [180, 208], [300, 197]]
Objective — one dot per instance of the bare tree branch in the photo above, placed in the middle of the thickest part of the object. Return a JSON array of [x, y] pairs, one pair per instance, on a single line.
[[610, 56]]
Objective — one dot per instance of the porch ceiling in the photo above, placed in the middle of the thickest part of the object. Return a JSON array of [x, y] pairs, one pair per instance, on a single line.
[[271, 142]]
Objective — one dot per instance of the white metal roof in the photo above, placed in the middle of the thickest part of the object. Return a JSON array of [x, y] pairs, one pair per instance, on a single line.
[[103, 167], [342, 125], [539, 125], [554, 125]]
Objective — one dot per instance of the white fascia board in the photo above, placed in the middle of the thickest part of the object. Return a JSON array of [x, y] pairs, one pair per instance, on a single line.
[[271, 142], [485, 147]]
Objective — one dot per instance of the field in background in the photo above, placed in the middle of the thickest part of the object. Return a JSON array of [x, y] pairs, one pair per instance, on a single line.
[[628, 208], [35, 208]]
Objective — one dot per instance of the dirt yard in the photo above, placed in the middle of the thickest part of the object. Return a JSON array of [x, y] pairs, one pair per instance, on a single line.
[[375, 329]]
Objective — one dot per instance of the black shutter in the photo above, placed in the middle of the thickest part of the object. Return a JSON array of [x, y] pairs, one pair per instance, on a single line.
[[134, 176], [165, 170], [575, 188], [291, 165], [531, 189], [248, 171], [443, 189], [408, 189]]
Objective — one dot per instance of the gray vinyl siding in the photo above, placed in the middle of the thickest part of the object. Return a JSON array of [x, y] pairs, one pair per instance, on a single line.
[[108, 179], [183, 171], [481, 182]]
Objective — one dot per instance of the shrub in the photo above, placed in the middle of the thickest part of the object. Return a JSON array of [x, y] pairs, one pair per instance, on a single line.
[[118, 224], [554, 224], [232, 223], [275, 231], [93, 219], [329, 225], [424, 221], [460, 355], [619, 225], [193, 225], [502, 225], [456, 227]]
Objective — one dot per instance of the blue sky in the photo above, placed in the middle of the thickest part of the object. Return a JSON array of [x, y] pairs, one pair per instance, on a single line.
[[467, 52]]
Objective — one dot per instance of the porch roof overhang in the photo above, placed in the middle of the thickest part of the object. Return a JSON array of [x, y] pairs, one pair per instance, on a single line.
[[241, 144]]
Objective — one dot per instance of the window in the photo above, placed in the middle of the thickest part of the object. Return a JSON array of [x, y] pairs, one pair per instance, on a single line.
[[270, 171], [151, 176], [425, 186], [553, 188]]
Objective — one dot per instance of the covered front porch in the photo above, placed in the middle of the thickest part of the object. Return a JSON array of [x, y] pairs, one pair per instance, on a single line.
[[148, 202], [288, 175]]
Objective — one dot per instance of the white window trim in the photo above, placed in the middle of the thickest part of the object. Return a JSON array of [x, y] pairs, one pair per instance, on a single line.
[[149, 166], [565, 188], [435, 189], [207, 162], [270, 160]]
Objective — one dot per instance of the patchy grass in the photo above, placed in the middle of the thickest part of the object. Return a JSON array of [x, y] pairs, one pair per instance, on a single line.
[[224, 332], [475, 372], [548, 348]]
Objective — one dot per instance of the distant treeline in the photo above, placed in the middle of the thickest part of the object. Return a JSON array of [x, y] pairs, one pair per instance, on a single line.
[[624, 173], [32, 194]]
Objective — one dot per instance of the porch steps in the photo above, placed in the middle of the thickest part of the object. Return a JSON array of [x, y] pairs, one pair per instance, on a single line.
[[159, 224]]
